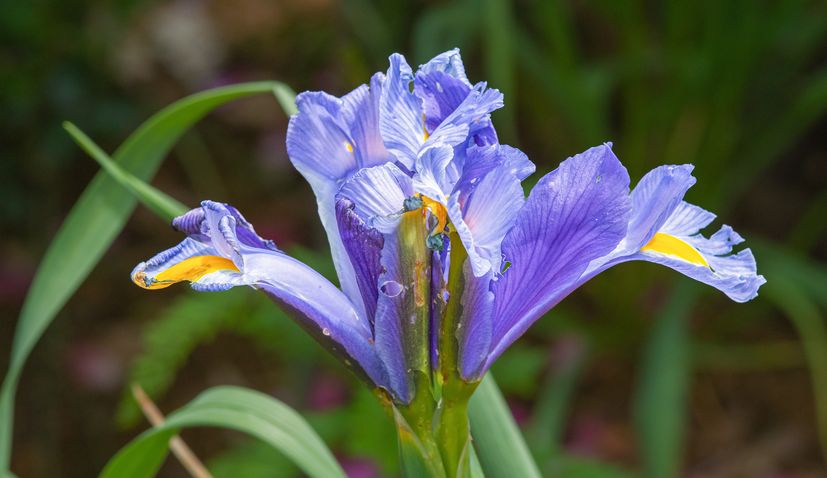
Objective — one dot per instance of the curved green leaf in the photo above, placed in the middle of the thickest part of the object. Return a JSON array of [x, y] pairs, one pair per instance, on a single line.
[[500, 446], [238, 409], [92, 225], [163, 205], [661, 395]]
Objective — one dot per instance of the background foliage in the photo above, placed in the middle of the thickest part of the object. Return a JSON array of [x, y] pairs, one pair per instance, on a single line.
[[639, 373]]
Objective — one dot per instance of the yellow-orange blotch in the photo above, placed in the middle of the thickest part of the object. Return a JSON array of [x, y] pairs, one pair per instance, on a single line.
[[672, 246]]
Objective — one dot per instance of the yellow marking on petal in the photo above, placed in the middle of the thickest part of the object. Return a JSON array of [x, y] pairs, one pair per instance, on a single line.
[[672, 246], [190, 269], [438, 210], [425, 132], [348, 147]]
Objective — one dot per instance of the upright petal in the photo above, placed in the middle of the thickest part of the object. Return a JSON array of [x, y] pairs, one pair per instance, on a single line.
[[361, 109], [318, 138], [328, 140], [449, 63], [574, 214], [400, 120], [476, 323], [471, 116], [480, 160], [442, 85], [483, 217], [378, 192], [364, 247], [436, 173], [205, 260]]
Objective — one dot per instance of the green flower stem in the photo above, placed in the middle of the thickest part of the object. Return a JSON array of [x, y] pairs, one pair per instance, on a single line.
[[452, 426], [416, 436], [418, 450], [417, 418]]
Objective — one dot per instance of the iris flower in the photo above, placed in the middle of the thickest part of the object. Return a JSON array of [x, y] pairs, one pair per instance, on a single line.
[[442, 260]]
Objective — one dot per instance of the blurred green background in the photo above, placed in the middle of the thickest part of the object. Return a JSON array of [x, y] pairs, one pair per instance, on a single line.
[[640, 373]]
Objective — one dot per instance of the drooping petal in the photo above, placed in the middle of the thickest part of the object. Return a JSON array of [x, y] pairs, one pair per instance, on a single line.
[[205, 260], [666, 230], [678, 245], [191, 260], [654, 199], [575, 214]]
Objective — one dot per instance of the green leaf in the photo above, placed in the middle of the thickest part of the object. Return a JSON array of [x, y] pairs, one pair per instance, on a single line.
[[251, 459], [569, 466], [94, 222], [238, 409], [554, 401], [498, 38], [798, 287], [500, 446], [286, 98], [660, 402], [810, 325], [159, 202]]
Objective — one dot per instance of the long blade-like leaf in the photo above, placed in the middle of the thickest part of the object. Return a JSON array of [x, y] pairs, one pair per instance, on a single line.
[[159, 202], [500, 446], [95, 220], [660, 403], [238, 409]]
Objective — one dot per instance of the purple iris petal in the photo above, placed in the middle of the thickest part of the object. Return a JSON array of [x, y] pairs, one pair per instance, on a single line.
[[400, 118], [441, 94], [476, 324], [328, 141], [377, 192], [486, 215], [657, 208], [372, 154], [388, 326], [574, 215], [449, 62], [320, 307], [364, 247], [654, 198]]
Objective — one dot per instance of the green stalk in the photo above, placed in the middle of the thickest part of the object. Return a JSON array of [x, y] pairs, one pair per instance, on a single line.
[[452, 426], [415, 423]]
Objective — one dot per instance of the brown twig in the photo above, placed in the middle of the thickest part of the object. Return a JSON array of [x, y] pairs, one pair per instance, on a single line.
[[176, 444]]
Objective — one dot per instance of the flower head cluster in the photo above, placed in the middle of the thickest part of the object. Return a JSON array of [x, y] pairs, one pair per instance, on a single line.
[[435, 244]]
